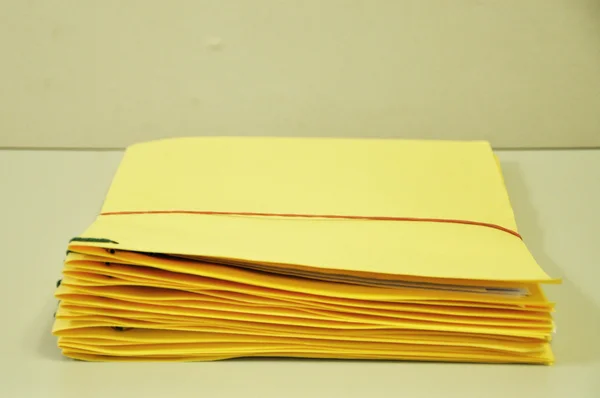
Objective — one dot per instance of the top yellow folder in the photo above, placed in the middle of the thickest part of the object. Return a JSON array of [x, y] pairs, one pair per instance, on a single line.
[[387, 209]]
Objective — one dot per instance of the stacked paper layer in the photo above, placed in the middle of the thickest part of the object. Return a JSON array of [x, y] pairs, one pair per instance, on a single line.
[[214, 248]]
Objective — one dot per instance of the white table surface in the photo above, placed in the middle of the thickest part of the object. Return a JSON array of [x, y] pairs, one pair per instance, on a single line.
[[47, 197]]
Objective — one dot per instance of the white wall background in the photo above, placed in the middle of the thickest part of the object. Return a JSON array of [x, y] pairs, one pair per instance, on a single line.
[[520, 73]]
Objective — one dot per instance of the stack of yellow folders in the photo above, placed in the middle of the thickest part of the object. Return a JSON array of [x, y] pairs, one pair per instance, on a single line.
[[215, 248]]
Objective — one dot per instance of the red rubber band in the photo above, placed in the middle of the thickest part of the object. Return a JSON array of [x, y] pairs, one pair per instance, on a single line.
[[338, 217]]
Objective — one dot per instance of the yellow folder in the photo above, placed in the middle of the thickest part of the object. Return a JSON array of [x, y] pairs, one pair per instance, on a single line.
[[300, 246]]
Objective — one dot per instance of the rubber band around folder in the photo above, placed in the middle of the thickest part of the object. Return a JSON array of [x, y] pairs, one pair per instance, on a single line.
[[327, 216]]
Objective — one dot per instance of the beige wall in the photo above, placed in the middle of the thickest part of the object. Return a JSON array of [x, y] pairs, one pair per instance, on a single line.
[[519, 73]]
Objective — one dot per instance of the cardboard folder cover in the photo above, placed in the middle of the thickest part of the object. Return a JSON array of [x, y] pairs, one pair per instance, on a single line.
[[212, 248]]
